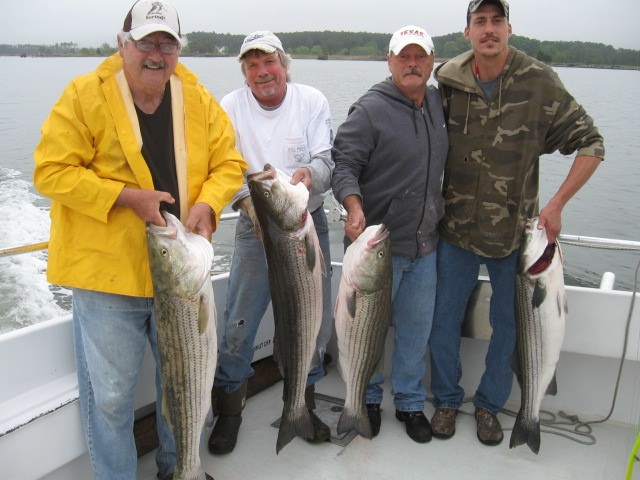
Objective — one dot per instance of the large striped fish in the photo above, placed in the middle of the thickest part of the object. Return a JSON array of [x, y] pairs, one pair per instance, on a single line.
[[186, 317], [541, 308], [362, 317], [295, 267]]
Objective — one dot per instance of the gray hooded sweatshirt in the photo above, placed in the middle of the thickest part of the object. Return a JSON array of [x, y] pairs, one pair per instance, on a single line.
[[391, 154]]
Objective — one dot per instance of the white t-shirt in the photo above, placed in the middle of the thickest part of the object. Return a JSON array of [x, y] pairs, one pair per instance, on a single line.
[[287, 137]]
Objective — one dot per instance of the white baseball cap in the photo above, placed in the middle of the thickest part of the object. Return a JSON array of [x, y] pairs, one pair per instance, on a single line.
[[410, 35], [148, 16], [262, 40]]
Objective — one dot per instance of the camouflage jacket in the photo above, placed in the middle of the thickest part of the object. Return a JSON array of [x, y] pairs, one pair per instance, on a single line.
[[491, 174]]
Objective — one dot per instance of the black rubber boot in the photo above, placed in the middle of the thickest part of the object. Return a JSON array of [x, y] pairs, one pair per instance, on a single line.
[[229, 406], [321, 431]]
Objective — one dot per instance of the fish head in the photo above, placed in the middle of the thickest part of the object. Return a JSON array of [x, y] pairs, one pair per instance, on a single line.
[[537, 257], [180, 261], [366, 264], [276, 200]]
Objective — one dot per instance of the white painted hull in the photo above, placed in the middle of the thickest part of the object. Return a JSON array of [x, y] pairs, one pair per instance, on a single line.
[[40, 419]]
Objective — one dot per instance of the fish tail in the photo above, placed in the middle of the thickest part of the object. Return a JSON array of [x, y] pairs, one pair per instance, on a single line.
[[526, 431], [351, 419], [297, 422]]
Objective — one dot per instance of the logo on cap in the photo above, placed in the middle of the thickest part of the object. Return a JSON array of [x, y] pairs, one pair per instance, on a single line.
[[156, 11]]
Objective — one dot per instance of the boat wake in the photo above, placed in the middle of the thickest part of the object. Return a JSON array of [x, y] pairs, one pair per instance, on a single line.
[[25, 296]]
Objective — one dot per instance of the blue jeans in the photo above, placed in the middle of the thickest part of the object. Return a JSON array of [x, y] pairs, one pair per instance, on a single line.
[[458, 271], [248, 297], [413, 297], [110, 334]]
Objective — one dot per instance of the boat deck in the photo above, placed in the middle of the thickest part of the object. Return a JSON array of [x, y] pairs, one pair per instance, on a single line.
[[392, 455]]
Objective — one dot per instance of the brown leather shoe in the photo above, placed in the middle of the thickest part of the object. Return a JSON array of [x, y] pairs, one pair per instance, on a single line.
[[489, 429], [443, 422]]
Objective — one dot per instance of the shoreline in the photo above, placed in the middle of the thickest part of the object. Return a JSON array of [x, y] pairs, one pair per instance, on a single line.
[[355, 58]]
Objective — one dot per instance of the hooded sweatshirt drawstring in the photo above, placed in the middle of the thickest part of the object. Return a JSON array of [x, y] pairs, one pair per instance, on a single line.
[[466, 119], [500, 97]]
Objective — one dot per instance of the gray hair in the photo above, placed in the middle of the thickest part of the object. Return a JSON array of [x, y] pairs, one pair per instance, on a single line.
[[285, 60]]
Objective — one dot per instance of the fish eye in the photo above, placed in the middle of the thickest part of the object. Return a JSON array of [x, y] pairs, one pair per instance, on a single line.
[[381, 254], [266, 194], [164, 252]]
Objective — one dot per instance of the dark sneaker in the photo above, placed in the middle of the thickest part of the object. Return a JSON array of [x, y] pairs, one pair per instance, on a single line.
[[489, 429], [321, 431], [417, 425], [225, 434], [373, 410], [443, 422]]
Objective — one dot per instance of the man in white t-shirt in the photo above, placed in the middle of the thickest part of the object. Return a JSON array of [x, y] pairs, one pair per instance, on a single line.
[[289, 126]]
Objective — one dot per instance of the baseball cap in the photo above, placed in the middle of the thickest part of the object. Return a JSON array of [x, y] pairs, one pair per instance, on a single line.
[[262, 40], [410, 35], [147, 17], [476, 4]]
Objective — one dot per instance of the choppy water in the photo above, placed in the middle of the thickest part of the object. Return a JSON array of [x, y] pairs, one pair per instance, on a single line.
[[606, 207]]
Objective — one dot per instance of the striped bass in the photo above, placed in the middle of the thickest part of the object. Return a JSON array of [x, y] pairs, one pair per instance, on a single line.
[[362, 316], [186, 318], [541, 309], [295, 266]]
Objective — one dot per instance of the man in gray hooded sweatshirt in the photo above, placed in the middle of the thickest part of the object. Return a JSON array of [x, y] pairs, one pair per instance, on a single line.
[[389, 158]]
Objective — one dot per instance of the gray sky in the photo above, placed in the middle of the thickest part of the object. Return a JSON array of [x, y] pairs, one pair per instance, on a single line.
[[89, 23]]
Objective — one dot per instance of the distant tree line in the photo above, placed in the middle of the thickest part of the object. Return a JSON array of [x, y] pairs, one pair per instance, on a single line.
[[362, 45], [64, 49]]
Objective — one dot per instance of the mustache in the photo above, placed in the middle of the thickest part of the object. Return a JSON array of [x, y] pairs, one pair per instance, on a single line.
[[491, 37], [412, 71], [266, 79], [151, 64]]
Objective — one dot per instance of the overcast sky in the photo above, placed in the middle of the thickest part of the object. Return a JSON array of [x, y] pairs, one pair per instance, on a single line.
[[89, 23]]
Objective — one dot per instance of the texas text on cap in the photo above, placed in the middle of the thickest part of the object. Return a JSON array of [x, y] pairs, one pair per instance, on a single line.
[[263, 40], [476, 4], [410, 35], [147, 17]]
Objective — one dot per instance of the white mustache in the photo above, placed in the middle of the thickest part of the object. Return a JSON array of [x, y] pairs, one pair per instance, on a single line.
[[151, 64]]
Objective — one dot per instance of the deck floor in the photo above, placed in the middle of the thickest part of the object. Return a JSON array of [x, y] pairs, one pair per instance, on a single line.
[[392, 455]]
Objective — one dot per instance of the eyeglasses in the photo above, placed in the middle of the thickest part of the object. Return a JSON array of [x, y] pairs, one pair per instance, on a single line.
[[165, 48]]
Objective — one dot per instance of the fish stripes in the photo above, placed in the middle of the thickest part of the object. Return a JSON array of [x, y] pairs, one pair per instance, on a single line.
[[541, 309], [362, 316], [295, 267], [186, 322]]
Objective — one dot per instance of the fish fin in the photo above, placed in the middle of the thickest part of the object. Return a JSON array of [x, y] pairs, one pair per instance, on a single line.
[[311, 251], [297, 422], [525, 431], [539, 295], [203, 314], [351, 304], [562, 303], [278, 360], [352, 420], [515, 366], [552, 388]]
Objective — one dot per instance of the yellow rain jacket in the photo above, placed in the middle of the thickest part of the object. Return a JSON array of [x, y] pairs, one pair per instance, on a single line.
[[91, 149]]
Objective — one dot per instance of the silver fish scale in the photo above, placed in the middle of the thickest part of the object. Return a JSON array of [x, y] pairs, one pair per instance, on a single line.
[[365, 335], [529, 345], [297, 306], [184, 353]]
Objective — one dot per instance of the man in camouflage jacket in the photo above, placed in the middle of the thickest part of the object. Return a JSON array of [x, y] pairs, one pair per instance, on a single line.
[[504, 110]]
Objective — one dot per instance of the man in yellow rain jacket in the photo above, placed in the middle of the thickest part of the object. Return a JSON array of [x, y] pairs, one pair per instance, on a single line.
[[137, 135]]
